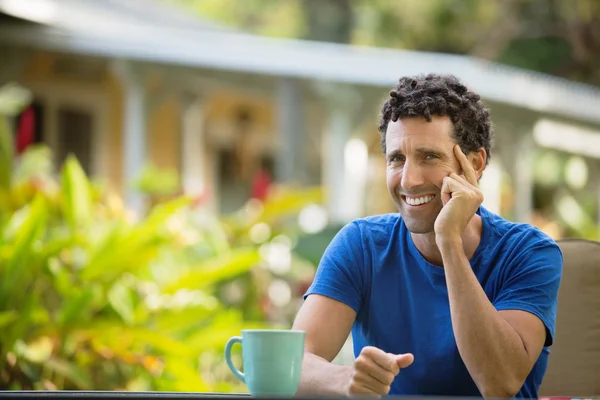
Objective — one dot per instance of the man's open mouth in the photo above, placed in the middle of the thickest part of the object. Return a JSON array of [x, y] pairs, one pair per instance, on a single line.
[[417, 201]]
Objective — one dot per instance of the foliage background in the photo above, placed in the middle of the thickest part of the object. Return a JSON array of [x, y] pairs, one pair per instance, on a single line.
[[92, 298], [553, 36]]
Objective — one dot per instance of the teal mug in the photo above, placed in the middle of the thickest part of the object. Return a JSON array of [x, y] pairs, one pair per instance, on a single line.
[[272, 361]]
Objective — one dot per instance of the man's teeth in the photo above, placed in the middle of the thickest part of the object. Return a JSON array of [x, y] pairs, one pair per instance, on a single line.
[[415, 201]]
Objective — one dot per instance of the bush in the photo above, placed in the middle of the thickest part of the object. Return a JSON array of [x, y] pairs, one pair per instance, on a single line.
[[91, 298]]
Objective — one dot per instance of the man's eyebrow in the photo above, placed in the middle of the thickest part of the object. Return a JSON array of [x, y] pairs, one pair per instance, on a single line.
[[421, 150], [430, 150], [393, 154]]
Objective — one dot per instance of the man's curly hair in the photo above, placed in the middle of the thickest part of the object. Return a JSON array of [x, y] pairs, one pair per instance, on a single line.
[[442, 95]]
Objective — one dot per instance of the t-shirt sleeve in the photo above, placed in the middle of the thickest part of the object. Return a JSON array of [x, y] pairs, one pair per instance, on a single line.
[[533, 282], [339, 275]]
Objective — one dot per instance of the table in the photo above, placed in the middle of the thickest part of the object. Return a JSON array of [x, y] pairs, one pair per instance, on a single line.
[[122, 395], [116, 395]]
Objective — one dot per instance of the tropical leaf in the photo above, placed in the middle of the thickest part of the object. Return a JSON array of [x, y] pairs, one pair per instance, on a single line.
[[217, 269], [121, 300], [27, 324], [187, 319], [8, 317], [184, 377], [226, 324], [71, 371], [123, 340], [127, 250], [161, 213], [217, 337], [55, 245], [76, 307], [19, 268], [76, 194], [289, 202], [128, 255]]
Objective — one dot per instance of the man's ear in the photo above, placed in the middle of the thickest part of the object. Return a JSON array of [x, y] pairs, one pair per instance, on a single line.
[[478, 160]]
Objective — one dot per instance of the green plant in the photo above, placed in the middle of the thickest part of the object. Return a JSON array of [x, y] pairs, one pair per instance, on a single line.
[[93, 299], [90, 299]]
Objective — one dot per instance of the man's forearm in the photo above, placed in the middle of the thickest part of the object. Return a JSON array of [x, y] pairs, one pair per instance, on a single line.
[[490, 347], [320, 377]]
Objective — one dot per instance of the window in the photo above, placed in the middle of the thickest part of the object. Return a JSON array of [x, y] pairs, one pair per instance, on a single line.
[[74, 134]]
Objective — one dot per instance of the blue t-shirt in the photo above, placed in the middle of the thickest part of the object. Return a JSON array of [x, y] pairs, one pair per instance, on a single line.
[[401, 300]]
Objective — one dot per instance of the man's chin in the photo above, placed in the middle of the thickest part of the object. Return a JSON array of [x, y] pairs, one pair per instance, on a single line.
[[417, 226]]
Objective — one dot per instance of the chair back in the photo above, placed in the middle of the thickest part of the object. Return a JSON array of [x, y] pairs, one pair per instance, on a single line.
[[574, 362]]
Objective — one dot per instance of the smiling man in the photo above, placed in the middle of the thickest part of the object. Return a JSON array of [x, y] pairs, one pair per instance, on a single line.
[[443, 297]]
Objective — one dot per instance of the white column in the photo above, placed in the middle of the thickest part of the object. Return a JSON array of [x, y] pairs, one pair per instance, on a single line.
[[193, 171], [523, 177], [334, 173], [514, 136], [491, 186], [596, 178], [134, 131], [291, 158], [356, 164], [345, 159]]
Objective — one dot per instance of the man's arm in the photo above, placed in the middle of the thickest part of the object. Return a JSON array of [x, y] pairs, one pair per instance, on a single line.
[[499, 348], [327, 323]]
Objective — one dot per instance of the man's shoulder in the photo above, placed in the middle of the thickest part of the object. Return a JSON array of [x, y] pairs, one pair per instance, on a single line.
[[518, 234]]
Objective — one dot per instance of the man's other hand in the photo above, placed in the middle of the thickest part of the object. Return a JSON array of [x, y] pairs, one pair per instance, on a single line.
[[375, 370]]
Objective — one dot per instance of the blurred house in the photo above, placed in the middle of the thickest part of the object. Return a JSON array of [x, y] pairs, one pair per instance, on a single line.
[[123, 83]]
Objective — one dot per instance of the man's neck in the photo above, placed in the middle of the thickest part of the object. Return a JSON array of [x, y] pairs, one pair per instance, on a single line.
[[428, 248]]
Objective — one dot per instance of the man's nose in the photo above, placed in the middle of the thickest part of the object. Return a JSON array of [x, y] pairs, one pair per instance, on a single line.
[[412, 176]]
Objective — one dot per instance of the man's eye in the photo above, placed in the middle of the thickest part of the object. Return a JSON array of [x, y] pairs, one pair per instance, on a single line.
[[397, 159], [431, 157]]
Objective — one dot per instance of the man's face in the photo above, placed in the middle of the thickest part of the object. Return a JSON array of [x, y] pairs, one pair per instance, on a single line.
[[419, 155]]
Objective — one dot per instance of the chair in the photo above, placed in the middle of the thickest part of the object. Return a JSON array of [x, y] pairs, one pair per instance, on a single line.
[[574, 363]]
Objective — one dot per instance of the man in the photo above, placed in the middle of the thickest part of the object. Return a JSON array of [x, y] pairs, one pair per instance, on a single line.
[[444, 297]]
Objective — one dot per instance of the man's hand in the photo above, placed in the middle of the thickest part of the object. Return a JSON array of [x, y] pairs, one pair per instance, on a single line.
[[461, 198], [375, 370]]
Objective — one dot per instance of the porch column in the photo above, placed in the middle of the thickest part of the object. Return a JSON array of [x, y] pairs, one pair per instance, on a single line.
[[514, 136], [345, 159], [195, 160], [134, 131], [192, 146], [598, 212], [596, 179], [523, 177], [491, 186], [291, 164]]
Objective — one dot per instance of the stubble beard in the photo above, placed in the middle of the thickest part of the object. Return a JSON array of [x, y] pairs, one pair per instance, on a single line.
[[419, 225]]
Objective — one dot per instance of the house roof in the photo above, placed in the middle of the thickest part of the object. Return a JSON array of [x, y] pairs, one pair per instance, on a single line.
[[116, 30]]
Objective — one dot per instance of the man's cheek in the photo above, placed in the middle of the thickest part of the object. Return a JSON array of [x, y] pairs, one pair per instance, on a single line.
[[448, 169], [439, 179]]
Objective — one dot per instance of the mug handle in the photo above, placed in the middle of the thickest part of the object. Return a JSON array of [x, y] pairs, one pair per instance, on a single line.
[[228, 347]]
